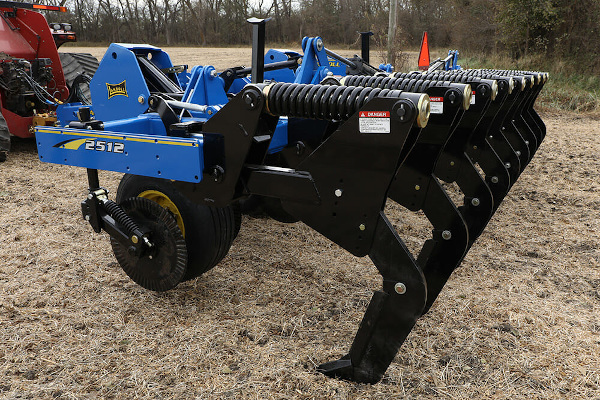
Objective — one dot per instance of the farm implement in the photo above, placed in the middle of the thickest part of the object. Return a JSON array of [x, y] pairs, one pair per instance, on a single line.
[[34, 77], [328, 153]]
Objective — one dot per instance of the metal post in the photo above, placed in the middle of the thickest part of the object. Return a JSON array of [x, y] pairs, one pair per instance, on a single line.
[[391, 30], [93, 181], [258, 48], [365, 45]]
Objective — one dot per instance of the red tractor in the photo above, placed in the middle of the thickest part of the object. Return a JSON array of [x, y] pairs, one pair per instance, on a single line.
[[34, 76]]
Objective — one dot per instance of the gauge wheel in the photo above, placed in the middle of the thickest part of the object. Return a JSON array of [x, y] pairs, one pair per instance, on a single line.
[[208, 231], [162, 266]]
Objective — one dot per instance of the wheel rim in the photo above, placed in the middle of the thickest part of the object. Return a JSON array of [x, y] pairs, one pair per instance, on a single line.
[[164, 201]]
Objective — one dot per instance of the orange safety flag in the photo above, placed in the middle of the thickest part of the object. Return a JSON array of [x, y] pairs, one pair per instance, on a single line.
[[424, 53]]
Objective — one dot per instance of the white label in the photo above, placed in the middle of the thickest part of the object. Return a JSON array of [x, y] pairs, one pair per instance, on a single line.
[[374, 122], [473, 97], [436, 105]]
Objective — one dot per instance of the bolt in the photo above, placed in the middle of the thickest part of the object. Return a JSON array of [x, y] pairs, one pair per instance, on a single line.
[[491, 136], [214, 73], [452, 98], [503, 128], [400, 288], [319, 44], [452, 163], [338, 192], [90, 196], [87, 217], [527, 142], [494, 179], [507, 165], [362, 227], [474, 147], [446, 235], [401, 111], [518, 153], [134, 239], [141, 99], [209, 112], [150, 257], [417, 187], [475, 201], [329, 73]]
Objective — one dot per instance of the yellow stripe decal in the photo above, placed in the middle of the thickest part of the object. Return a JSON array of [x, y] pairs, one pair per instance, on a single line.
[[75, 144]]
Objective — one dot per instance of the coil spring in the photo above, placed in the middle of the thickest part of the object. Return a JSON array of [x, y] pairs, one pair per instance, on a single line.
[[320, 101], [414, 85], [115, 211]]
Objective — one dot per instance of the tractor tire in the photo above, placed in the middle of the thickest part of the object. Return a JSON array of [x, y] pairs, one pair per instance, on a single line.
[[74, 64], [208, 231], [4, 139]]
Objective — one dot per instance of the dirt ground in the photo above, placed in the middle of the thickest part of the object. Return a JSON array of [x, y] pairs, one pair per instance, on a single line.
[[519, 319]]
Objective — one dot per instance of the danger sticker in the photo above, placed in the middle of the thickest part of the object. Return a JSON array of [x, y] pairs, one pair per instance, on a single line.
[[374, 122], [436, 105], [473, 97]]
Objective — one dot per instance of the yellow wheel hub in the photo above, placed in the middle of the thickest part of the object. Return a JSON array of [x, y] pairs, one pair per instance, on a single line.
[[164, 201]]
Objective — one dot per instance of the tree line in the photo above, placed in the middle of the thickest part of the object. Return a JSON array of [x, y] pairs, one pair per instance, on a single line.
[[556, 28]]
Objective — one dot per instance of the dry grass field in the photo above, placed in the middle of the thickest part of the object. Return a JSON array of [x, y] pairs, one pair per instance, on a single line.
[[222, 58], [519, 319]]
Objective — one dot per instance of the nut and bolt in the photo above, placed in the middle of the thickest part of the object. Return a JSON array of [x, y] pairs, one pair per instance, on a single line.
[[446, 235], [452, 163], [475, 201], [518, 153], [494, 179], [87, 217], [319, 44], [362, 227], [452, 98], [141, 99], [507, 165], [474, 147], [214, 73], [338, 192], [134, 239], [417, 187], [400, 288]]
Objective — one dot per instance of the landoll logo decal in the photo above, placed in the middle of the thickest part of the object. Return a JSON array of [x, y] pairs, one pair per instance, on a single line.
[[118, 89]]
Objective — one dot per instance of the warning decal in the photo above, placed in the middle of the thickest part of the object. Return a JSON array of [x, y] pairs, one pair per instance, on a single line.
[[374, 122], [437, 105], [473, 97]]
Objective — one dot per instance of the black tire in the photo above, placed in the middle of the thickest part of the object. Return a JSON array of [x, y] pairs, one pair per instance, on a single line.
[[75, 64], [4, 139], [208, 231]]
